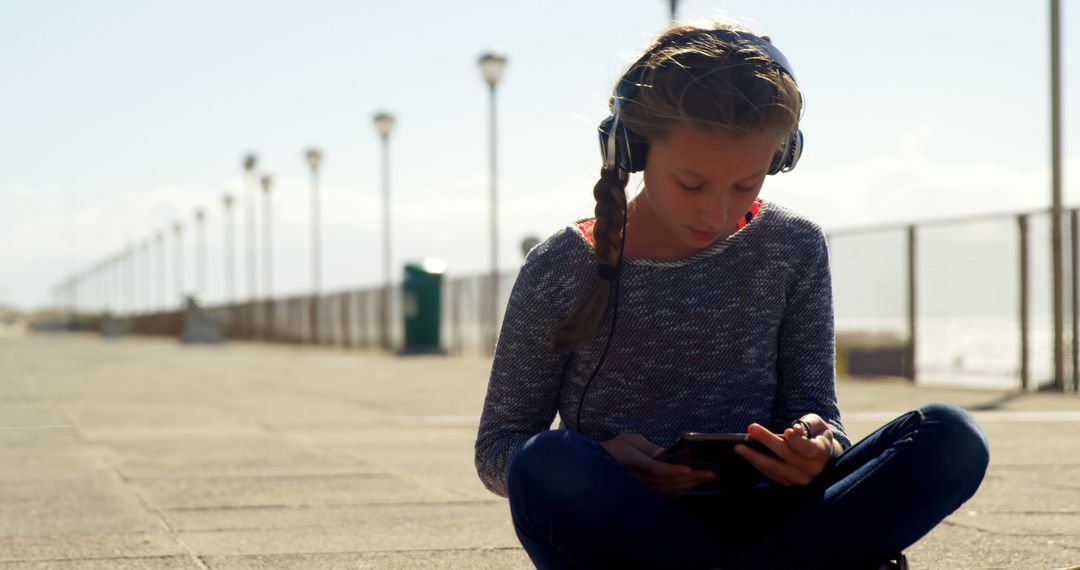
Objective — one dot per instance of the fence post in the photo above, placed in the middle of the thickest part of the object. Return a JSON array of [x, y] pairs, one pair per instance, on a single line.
[[364, 318], [911, 304], [346, 319], [454, 292], [1022, 221], [271, 309], [1075, 340]]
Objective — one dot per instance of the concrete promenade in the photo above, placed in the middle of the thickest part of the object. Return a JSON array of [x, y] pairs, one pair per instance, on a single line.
[[142, 453]]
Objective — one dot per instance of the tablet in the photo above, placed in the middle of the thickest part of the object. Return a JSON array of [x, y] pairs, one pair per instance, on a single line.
[[716, 451]]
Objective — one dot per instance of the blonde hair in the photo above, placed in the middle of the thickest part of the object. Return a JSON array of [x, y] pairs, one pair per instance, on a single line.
[[687, 77]]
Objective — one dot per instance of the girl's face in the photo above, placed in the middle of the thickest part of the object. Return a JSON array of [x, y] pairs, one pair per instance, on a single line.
[[698, 185]]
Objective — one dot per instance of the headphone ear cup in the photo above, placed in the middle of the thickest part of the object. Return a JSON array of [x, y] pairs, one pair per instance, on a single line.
[[636, 151], [780, 155], [629, 149], [787, 154], [796, 152], [606, 148]]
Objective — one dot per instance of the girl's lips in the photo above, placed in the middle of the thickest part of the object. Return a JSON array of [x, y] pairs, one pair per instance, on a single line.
[[705, 236]]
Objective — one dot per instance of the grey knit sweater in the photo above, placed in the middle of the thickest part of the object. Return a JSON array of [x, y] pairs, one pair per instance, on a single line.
[[737, 333]]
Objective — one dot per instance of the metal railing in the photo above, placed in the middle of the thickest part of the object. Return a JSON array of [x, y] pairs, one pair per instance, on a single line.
[[963, 301], [351, 319]]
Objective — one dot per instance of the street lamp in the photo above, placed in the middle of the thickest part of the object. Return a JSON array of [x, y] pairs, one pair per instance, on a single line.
[[674, 10], [249, 170], [148, 271], [492, 66], [178, 231], [200, 252], [132, 275], [384, 124], [227, 201], [114, 286], [267, 268], [161, 268], [314, 157], [265, 182], [1057, 262]]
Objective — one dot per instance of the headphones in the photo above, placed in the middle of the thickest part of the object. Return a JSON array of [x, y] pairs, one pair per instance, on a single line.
[[626, 150], [620, 147]]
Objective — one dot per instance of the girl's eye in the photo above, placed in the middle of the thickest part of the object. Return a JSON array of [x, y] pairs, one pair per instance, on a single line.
[[689, 188], [743, 190]]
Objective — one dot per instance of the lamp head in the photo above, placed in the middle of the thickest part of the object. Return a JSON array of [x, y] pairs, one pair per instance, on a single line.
[[313, 157], [492, 66], [384, 123]]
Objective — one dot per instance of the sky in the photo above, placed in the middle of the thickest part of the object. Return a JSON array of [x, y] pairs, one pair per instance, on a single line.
[[120, 117]]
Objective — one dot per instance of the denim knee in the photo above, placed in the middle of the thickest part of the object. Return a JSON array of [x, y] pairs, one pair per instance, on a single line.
[[549, 467], [960, 445]]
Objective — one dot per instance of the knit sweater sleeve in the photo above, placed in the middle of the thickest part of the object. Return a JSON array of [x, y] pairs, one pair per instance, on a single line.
[[806, 373], [526, 376]]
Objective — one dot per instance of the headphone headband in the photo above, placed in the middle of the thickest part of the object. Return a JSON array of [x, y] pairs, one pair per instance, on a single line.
[[624, 149]]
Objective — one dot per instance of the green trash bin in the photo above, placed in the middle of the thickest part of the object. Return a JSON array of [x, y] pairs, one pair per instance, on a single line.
[[422, 307]]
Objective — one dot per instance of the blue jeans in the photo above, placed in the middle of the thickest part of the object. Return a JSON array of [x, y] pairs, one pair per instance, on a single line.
[[574, 506]]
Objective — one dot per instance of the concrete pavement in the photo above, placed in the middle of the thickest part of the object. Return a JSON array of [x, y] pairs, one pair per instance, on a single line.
[[142, 453]]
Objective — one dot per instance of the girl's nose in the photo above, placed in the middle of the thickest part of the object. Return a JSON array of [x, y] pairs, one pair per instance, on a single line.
[[714, 213]]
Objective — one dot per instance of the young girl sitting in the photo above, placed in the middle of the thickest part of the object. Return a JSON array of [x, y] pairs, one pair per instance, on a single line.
[[698, 307]]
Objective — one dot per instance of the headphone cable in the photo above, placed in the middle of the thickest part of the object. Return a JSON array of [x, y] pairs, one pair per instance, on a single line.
[[614, 312]]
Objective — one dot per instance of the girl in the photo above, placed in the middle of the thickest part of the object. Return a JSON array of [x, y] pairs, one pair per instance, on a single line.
[[698, 307]]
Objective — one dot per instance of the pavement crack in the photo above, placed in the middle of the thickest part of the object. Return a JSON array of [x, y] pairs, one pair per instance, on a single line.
[[162, 521], [330, 506]]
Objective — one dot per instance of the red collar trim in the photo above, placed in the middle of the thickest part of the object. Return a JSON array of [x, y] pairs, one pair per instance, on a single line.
[[586, 227]]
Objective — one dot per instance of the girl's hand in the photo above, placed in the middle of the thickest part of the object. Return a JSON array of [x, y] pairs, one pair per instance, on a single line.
[[801, 456], [636, 453]]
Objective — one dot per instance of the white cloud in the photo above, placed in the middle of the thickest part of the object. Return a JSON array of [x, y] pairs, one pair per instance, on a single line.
[[905, 184], [450, 218]]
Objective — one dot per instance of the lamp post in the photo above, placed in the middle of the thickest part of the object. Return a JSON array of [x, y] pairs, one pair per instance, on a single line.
[[125, 254], [384, 124], [114, 285], [492, 66], [200, 252], [162, 295], [230, 249], [1057, 261], [75, 294], [314, 157], [265, 182], [133, 276], [249, 172], [148, 280], [129, 255], [674, 10], [103, 285], [178, 271]]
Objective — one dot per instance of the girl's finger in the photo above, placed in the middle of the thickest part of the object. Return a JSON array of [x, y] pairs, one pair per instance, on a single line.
[[636, 460], [642, 443], [662, 470], [776, 469], [801, 445], [672, 490], [695, 478], [774, 442]]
